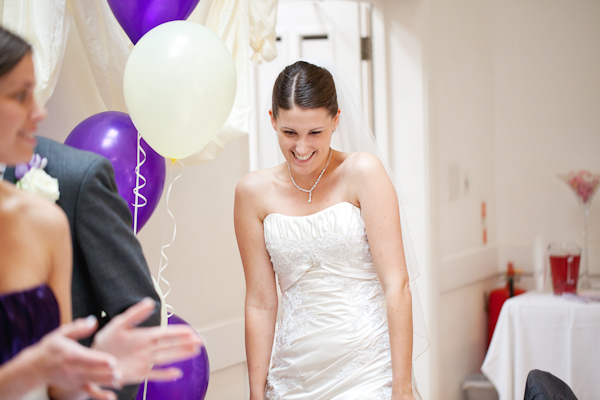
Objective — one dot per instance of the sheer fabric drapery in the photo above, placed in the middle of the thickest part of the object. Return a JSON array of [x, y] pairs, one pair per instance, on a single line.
[[45, 24]]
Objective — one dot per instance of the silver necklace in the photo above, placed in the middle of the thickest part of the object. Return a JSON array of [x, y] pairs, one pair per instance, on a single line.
[[309, 191]]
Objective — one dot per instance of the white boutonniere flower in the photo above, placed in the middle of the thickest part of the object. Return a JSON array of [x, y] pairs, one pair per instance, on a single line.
[[32, 178]]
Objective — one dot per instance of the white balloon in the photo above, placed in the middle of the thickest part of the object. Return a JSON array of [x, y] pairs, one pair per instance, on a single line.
[[179, 86]]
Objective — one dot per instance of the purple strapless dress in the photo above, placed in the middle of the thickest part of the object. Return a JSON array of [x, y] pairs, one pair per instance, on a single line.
[[25, 317]]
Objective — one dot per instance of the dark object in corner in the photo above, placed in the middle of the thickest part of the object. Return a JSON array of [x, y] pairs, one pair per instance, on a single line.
[[542, 385]]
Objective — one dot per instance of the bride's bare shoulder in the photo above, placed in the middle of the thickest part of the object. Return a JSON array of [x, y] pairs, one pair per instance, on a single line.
[[257, 182], [361, 162]]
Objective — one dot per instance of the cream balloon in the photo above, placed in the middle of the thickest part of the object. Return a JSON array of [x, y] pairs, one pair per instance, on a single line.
[[179, 86]]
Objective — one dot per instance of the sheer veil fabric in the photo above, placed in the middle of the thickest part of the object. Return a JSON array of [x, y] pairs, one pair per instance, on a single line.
[[353, 134]]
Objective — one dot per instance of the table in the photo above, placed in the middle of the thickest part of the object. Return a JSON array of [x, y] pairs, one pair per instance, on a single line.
[[550, 333]]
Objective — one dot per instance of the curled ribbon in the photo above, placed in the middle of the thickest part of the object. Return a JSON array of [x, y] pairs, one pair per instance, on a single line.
[[163, 255], [141, 159]]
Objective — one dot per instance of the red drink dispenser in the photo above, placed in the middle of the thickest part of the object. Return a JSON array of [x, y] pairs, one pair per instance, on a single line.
[[499, 295]]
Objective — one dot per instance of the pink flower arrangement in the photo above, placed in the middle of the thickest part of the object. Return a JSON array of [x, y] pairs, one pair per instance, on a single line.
[[583, 183]]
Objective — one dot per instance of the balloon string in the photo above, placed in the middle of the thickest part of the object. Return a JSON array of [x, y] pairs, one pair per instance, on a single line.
[[163, 255], [136, 191], [165, 246], [141, 160], [145, 388]]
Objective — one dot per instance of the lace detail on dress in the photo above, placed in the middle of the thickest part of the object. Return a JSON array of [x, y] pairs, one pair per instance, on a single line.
[[384, 392], [292, 325], [289, 253], [359, 358], [277, 388], [363, 357], [365, 297]]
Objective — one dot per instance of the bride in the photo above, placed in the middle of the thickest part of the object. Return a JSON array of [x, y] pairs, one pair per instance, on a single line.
[[327, 224]]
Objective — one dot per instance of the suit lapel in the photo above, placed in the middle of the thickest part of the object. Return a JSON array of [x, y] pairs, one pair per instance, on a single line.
[[9, 174]]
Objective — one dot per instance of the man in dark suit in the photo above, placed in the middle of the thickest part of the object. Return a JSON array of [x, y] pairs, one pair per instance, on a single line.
[[110, 273]]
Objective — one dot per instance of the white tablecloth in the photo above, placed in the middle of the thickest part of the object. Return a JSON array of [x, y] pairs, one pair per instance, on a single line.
[[550, 333]]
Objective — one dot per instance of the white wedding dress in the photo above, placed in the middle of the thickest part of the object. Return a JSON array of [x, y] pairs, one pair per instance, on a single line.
[[332, 338]]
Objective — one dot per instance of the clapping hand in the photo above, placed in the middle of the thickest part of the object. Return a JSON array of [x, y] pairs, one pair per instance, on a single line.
[[137, 349], [74, 371]]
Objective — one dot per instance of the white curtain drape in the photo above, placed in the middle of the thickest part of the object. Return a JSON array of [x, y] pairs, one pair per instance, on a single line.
[[45, 24], [263, 18], [106, 47], [241, 24]]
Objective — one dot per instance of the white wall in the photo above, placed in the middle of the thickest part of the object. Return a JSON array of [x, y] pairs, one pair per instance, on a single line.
[[459, 63], [512, 99], [547, 120], [400, 120], [439, 118]]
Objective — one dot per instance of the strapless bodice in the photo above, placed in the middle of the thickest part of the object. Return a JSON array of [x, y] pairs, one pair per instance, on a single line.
[[333, 239]]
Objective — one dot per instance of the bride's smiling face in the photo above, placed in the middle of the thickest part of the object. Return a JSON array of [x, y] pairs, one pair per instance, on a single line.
[[304, 137], [19, 113]]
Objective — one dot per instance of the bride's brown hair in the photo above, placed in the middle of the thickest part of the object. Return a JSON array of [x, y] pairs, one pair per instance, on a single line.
[[304, 85]]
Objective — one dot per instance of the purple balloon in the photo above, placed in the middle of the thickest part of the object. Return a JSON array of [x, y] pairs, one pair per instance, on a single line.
[[191, 386], [139, 16], [112, 135]]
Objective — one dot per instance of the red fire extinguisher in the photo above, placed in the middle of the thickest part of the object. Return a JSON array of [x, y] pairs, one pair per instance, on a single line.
[[498, 297]]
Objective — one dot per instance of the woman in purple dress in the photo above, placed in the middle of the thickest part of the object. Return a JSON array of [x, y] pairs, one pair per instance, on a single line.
[[39, 352]]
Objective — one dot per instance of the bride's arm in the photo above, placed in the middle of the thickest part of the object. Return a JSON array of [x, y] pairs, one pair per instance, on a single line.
[[379, 205], [261, 291]]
